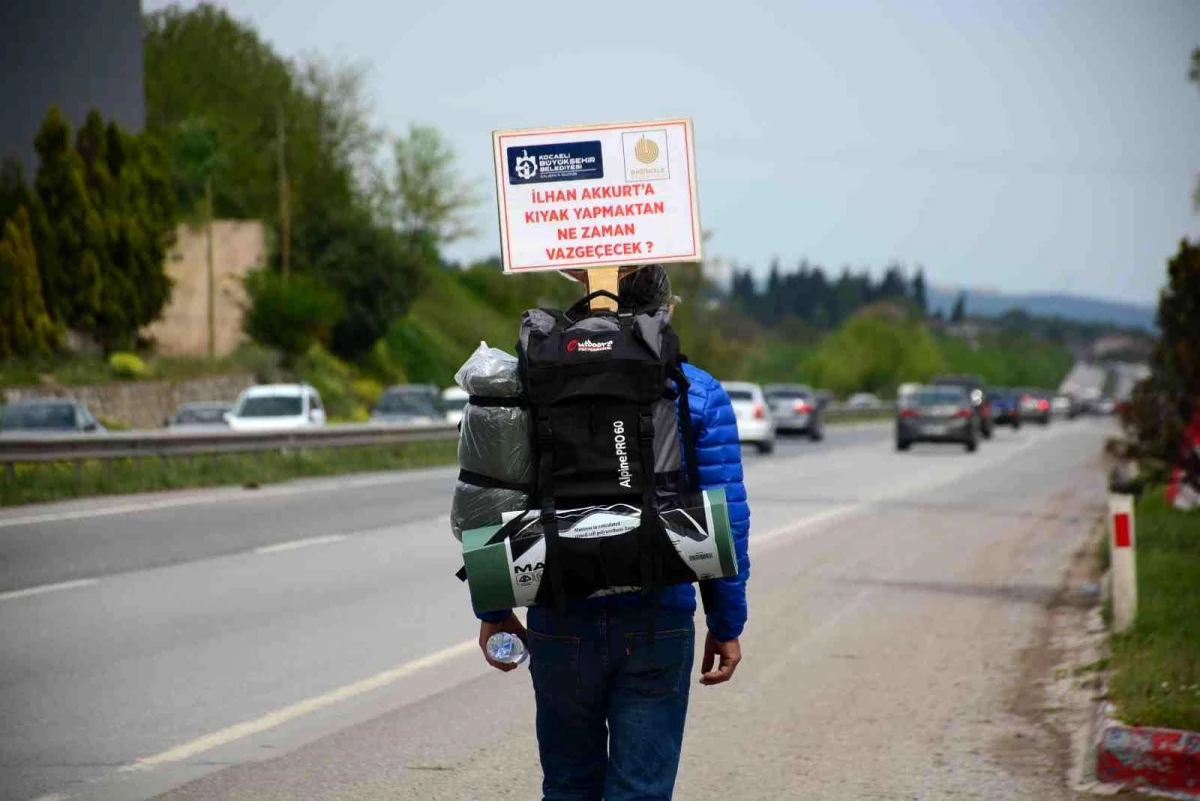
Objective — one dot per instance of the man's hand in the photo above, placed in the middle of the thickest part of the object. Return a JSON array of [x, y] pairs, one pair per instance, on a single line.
[[730, 653], [510, 624]]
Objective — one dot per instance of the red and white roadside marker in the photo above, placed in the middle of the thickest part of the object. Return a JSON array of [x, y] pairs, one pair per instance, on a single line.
[[1124, 566]]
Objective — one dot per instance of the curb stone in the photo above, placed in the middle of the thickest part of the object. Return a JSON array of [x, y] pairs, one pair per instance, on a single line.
[[1146, 757]]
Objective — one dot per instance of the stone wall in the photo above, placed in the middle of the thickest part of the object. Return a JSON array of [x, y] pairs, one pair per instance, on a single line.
[[140, 404], [239, 246]]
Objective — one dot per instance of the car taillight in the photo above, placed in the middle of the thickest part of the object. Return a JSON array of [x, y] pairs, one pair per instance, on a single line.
[[802, 407], [1043, 404], [963, 413], [909, 413], [759, 412]]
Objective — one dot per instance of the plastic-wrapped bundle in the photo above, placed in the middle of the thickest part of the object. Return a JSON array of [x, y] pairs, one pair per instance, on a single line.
[[494, 444]]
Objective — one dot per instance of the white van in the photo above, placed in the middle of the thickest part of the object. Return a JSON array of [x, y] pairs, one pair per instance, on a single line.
[[277, 407]]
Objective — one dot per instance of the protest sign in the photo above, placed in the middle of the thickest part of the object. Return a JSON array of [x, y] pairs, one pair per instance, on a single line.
[[597, 196]]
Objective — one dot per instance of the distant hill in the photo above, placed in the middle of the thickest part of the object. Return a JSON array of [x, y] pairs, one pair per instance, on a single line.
[[990, 303]]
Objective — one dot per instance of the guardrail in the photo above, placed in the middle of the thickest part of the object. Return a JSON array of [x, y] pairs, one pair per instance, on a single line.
[[79, 448]]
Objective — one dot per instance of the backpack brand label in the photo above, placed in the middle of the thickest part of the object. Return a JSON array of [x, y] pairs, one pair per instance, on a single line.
[[624, 475], [589, 346]]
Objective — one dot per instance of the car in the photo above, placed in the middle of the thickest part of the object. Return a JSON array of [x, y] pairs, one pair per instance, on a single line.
[[454, 401], [39, 416], [1064, 405], [277, 407], [863, 400], [1035, 406], [973, 385], [940, 413], [409, 405], [200, 416], [1005, 404], [755, 425], [1104, 406], [824, 398], [795, 408]]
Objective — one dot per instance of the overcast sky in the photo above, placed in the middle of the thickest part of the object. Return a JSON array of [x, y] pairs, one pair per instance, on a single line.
[[1037, 145]]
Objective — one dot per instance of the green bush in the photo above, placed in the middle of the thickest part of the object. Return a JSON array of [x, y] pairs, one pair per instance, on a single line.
[[331, 378], [128, 365], [366, 390], [875, 351], [291, 314]]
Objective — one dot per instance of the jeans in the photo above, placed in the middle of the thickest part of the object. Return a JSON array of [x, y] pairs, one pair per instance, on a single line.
[[610, 706]]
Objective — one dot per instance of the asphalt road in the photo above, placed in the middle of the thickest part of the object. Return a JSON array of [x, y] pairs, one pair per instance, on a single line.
[[309, 640]]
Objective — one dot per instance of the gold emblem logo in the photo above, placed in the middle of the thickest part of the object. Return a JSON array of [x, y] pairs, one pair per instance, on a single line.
[[646, 151]]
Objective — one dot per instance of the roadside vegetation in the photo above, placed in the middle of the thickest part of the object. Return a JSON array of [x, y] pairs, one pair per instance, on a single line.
[[40, 483], [1155, 679]]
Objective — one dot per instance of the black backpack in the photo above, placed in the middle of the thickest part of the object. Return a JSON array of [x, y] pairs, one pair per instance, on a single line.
[[602, 388]]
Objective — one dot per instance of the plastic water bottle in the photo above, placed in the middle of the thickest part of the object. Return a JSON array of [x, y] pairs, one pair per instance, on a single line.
[[506, 648]]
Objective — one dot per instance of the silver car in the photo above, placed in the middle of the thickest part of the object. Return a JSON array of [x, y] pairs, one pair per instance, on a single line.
[[47, 416], [796, 409], [200, 416], [937, 414]]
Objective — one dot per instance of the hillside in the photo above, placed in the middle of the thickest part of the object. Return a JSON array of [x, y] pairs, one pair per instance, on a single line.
[[990, 303]]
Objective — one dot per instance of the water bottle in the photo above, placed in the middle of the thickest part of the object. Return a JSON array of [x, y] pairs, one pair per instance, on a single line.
[[506, 648]]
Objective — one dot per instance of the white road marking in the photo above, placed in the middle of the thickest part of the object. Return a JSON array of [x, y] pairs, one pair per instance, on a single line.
[[226, 495], [299, 709], [806, 522], [52, 797], [45, 588], [292, 545]]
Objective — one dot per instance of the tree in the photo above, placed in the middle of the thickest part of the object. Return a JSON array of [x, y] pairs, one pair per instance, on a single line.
[[959, 312], [25, 326], [1162, 405], [1194, 76], [427, 195], [918, 291], [71, 248], [290, 315], [376, 271]]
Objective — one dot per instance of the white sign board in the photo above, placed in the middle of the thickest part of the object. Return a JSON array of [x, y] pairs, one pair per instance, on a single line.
[[597, 195]]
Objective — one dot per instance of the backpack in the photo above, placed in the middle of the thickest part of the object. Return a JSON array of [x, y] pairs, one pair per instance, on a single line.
[[602, 389]]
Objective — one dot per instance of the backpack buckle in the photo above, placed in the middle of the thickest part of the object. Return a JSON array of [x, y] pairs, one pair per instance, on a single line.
[[645, 427], [545, 431]]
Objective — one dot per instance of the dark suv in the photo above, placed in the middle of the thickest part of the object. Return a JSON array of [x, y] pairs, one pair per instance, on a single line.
[[974, 387]]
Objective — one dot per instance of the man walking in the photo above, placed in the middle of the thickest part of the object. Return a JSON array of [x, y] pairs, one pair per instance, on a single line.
[[611, 699]]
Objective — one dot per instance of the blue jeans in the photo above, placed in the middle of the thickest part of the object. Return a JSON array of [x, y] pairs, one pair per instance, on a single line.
[[610, 706]]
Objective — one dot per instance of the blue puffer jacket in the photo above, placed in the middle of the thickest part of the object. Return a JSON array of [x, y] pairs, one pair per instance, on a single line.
[[719, 454]]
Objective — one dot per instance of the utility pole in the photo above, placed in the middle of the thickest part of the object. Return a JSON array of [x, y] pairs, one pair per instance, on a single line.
[[285, 220], [212, 283]]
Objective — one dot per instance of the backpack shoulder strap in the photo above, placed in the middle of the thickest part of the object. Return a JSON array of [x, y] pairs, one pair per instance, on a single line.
[[685, 423]]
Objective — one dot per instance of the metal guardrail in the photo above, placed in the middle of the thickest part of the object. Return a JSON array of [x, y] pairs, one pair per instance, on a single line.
[[168, 444]]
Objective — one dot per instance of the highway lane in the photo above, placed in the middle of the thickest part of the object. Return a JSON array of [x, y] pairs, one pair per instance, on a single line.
[[350, 656]]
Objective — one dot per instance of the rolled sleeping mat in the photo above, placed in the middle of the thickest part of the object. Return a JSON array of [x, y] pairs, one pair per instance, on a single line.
[[505, 563], [494, 447]]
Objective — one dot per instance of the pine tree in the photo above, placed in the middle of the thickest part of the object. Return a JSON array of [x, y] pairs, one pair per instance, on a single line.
[[75, 236], [918, 291], [25, 327], [959, 312]]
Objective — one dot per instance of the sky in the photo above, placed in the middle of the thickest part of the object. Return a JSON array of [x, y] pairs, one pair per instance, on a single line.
[[1028, 145]]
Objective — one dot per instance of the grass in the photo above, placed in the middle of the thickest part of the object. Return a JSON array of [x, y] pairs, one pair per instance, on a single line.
[[54, 482], [1156, 665]]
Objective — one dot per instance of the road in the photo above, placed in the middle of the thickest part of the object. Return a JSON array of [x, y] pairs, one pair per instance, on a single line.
[[309, 640]]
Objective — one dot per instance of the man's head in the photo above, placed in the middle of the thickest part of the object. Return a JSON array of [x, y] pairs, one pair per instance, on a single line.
[[646, 287], [640, 287]]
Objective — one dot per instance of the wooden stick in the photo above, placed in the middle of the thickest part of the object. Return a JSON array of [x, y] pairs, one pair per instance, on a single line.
[[604, 278]]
